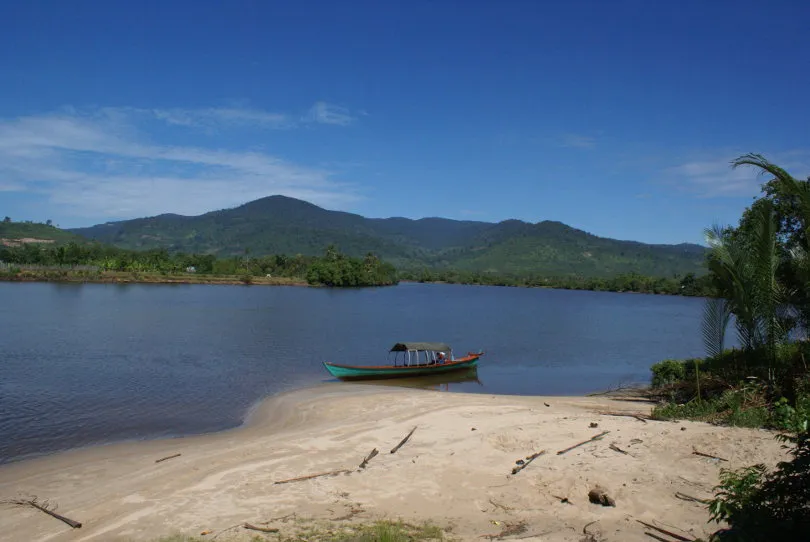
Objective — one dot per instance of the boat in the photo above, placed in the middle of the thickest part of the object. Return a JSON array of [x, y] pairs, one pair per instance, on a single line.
[[410, 359]]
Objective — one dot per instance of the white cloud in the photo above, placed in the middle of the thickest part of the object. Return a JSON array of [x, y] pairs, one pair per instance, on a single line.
[[213, 117], [325, 113], [102, 163], [715, 177]]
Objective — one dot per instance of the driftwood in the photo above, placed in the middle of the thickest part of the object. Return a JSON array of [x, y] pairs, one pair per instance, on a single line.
[[260, 529], [44, 507], [403, 441], [596, 437], [368, 458], [710, 456], [685, 497], [311, 476], [167, 457], [617, 449], [523, 464], [664, 531]]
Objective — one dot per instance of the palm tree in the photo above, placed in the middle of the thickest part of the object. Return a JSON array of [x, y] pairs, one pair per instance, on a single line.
[[744, 267], [796, 269]]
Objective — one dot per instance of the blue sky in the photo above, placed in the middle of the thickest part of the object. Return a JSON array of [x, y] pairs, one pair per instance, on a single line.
[[617, 117]]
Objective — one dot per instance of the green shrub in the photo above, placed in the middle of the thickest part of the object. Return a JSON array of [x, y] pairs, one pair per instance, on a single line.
[[766, 506], [669, 371], [790, 418]]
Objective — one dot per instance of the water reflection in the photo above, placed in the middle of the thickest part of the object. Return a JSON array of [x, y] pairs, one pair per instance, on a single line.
[[438, 382]]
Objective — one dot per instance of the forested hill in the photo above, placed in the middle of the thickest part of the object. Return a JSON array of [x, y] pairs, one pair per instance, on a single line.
[[282, 225], [14, 233]]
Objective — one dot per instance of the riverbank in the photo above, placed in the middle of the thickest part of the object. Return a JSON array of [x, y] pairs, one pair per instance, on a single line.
[[454, 471], [124, 277]]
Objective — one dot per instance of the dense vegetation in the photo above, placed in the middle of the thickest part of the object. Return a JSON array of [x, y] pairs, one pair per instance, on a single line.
[[281, 225], [689, 285], [760, 271], [332, 269]]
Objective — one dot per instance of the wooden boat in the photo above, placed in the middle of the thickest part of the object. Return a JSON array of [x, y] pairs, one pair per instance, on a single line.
[[416, 359]]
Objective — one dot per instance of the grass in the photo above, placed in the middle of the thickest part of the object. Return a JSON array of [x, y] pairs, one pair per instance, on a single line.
[[380, 531], [739, 408]]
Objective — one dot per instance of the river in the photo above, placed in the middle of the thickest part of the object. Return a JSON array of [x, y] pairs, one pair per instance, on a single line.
[[86, 364]]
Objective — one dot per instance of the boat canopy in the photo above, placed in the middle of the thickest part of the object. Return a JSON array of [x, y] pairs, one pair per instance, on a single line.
[[435, 347]]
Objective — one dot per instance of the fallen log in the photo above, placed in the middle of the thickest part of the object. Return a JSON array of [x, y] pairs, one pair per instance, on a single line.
[[403, 441], [655, 536], [368, 458], [617, 449], [167, 458], [525, 464], [664, 531], [311, 476], [260, 529], [33, 503], [710, 456], [593, 438]]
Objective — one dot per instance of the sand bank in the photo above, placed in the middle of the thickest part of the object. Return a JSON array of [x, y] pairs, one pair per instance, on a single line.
[[455, 470]]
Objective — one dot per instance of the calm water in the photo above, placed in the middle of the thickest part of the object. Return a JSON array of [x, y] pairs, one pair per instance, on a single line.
[[85, 364]]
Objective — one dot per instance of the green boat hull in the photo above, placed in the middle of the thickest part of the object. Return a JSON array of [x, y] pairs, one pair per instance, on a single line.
[[349, 372]]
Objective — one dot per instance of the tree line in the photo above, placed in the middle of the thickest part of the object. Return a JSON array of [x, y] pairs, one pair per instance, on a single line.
[[688, 285], [331, 269]]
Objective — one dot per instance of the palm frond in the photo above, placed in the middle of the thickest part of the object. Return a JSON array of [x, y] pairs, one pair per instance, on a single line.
[[716, 315]]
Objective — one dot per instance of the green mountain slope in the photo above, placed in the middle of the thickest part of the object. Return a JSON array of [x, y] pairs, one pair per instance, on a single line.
[[12, 232], [281, 225]]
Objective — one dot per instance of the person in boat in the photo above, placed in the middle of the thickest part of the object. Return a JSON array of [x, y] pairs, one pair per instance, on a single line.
[[440, 358]]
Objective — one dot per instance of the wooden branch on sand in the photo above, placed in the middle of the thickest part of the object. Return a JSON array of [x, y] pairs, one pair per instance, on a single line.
[[710, 456], [167, 457], [593, 438], [664, 531], [528, 460], [690, 498], [403, 441], [617, 449], [260, 529], [44, 507], [368, 458], [311, 476]]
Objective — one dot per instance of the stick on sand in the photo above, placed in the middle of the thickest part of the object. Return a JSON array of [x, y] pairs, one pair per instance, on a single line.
[[403, 441], [311, 476], [593, 438], [528, 460], [33, 503], [260, 529], [368, 458], [167, 457], [664, 531], [710, 456]]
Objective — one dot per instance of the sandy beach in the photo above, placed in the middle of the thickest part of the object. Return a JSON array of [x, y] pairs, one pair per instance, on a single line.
[[455, 471]]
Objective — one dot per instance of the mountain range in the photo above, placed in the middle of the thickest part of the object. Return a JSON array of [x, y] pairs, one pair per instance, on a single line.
[[283, 225]]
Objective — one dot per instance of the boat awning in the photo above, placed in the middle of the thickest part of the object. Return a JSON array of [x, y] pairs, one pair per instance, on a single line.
[[436, 347]]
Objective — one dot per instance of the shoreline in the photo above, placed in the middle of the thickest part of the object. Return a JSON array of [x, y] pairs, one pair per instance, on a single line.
[[457, 462], [122, 277]]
